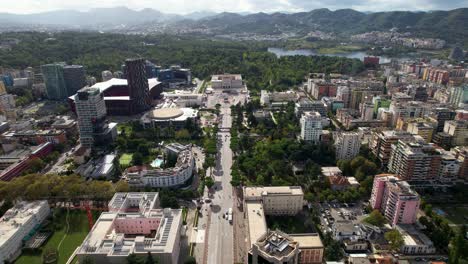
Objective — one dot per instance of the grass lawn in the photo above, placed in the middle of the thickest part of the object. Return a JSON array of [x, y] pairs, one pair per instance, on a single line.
[[125, 159], [77, 232], [455, 215]]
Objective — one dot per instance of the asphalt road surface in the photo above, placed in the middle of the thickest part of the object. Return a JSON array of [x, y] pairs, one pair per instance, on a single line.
[[220, 233]]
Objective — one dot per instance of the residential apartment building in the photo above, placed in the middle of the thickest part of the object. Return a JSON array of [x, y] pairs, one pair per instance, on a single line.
[[440, 115], [347, 145], [412, 109], [134, 224], [449, 167], [458, 129], [17, 224], [307, 105], [311, 126], [459, 95], [414, 161], [319, 89], [381, 143], [423, 129], [394, 199], [461, 154]]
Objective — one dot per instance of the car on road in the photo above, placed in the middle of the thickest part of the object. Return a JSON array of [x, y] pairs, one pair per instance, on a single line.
[[207, 200]]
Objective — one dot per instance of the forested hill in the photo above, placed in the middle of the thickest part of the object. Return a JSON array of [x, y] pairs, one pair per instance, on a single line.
[[449, 25]]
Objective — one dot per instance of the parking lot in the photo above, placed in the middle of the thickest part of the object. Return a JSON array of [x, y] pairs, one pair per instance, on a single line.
[[331, 213]]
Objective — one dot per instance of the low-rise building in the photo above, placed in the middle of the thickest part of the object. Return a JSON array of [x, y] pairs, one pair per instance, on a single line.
[[18, 161], [307, 105], [331, 171], [167, 117], [227, 81], [287, 200], [17, 224], [271, 98], [184, 98], [414, 241], [102, 167], [310, 246], [136, 225]]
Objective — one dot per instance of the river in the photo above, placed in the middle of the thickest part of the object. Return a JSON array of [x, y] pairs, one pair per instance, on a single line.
[[279, 52]]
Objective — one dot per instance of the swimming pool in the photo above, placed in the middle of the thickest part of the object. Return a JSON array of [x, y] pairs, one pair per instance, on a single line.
[[157, 163]]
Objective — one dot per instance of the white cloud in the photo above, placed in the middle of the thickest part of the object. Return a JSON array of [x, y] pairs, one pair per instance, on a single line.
[[187, 6]]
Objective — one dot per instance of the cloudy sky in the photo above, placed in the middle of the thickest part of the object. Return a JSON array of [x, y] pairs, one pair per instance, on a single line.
[[187, 6]]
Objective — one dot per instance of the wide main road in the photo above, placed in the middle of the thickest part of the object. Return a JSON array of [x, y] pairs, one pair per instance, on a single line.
[[220, 231]]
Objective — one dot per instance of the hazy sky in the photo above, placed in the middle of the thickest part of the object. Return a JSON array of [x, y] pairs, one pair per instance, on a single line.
[[187, 6]]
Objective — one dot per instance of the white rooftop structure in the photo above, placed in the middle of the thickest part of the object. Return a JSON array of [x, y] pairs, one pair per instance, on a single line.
[[17, 223], [103, 86]]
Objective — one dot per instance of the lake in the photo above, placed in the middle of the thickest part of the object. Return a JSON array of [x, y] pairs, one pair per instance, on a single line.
[[279, 52]]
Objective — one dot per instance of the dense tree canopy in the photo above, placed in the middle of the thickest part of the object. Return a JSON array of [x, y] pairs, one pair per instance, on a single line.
[[98, 52]]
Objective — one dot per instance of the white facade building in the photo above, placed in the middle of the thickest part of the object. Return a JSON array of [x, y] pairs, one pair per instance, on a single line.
[[141, 176], [287, 200], [311, 126], [347, 145], [184, 98], [227, 81], [449, 167], [16, 224]]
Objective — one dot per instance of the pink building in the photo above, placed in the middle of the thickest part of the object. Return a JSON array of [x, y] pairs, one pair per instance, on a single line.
[[394, 199], [134, 224]]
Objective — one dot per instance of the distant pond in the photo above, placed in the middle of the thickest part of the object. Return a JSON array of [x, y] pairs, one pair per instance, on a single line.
[[279, 52]]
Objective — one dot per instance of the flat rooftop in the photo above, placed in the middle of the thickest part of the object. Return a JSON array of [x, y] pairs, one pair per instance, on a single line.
[[103, 86], [230, 76], [331, 171], [256, 220], [252, 192], [16, 217], [307, 240]]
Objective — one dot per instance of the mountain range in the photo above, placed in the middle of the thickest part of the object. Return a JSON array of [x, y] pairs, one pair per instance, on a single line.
[[449, 25]]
